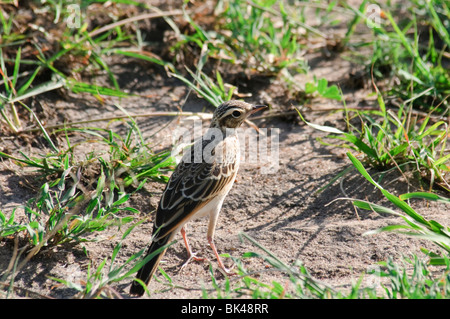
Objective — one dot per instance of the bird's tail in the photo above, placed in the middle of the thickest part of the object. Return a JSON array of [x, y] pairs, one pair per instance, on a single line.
[[147, 271]]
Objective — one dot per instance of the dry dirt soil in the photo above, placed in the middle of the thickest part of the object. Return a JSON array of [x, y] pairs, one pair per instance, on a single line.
[[282, 211]]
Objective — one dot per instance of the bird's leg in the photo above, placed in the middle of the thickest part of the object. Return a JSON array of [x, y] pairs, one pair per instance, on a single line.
[[191, 255], [210, 235], [219, 260]]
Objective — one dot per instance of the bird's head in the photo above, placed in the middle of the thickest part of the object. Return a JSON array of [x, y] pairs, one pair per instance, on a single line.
[[232, 113]]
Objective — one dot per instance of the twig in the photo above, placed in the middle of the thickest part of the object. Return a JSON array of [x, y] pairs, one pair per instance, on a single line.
[[28, 291], [14, 256], [201, 115], [207, 116], [332, 109], [133, 19]]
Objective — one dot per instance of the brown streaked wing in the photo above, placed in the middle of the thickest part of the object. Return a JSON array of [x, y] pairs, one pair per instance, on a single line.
[[184, 196]]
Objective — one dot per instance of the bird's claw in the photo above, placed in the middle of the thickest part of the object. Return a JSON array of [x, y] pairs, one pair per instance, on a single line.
[[192, 256], [227, 271]]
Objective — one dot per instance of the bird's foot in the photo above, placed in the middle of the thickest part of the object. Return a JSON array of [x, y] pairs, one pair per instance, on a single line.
[[192, 256], [227, 271]]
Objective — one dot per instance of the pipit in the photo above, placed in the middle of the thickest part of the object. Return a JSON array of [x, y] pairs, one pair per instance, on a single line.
[[198, 186]]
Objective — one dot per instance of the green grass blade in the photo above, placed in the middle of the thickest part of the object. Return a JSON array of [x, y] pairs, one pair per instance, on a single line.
[[46, 136], [78, 87], [438, 24], [146, 57], [423, 195], [16, 67], [442, 160], [395, 200], [42, 88], [374, 207], [27, 84]]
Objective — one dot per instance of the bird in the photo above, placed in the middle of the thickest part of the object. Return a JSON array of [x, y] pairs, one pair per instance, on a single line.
[[198, 186]]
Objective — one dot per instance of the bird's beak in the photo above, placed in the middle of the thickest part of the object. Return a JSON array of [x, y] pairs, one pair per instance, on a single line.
[[257, 108]]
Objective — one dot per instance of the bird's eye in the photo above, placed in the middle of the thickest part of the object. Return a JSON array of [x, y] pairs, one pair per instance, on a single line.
[[236, 114]]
